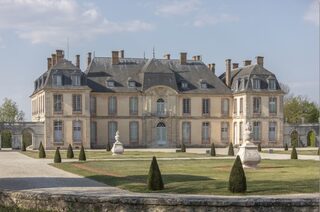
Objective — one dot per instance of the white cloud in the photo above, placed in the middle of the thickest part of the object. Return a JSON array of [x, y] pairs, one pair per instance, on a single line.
[[207, 20], [177, 7], [52, 21], [312, 14]]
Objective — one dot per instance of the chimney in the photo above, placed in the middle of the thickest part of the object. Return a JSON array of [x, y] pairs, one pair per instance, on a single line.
[[59, 55], [235, 65], [259, 60], [78, 61], [115, 57], [246, 62], [49, 62], [121, 53], [183, 58], [212, 67], [166, 56], [89, 59], [228, 72], [198, 57], [53, 59], [194, 58]]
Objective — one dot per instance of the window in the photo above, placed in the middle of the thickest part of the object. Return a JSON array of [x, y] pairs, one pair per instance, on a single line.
[[112, 105], [133, 131], [112, 129], [272, 131], [235, 106], [256, 84], [161, 133], [186, 132], [240, 130], [57, 103], [256, 104], [225, 106], [132, 84], [160, 106], [76, 103], [57, 80], [205, 132], [93, 132], [203, 85], [186, 104], [133, 105], [77, 137], [225, 131], [273, 105], [58, 132], [184, 85], [241, 105], [272, 84], [205, 106], [76, 80], [110, 83], [93, 105], [256, 131]]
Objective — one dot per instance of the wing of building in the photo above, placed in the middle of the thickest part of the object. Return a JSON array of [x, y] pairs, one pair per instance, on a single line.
[[154, 102]]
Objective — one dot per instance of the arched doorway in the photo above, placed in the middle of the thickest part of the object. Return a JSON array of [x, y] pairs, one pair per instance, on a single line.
[[6, 139], [27, 137], [311, 138], [294, 138], [161, 134]]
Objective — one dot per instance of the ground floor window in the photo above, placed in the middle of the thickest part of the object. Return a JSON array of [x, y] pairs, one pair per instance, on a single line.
[[272, 131], [206, 132], [186, 132], [77, 133], [134, 131], [112, 129], [224, 131], [93, 132], [256, 131], [58, 131]]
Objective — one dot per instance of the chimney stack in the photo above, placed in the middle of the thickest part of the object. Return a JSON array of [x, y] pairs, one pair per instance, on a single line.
[[198, 57], [228, 72], [89, 59], [78, 61], [53, 59], [115, 57], [212, 67], [259, 60], [166, 56], [194, 58], [246, 62], [235, 65], [121, 53], [183, 58], [59, 54], [49, 62]]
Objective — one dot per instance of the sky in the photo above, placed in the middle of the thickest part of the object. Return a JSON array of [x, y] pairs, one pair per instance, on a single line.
[[285, 32]]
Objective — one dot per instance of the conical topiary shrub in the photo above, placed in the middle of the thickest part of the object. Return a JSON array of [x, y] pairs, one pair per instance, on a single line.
[[286, 147], [230, 151], [183, 147], [82, 154], [259, 147], [23, 146], [154, 181], [108, 148], [70, 153], [42, 153], [213, 150], [294, 154], [237, 179], [57, 156]]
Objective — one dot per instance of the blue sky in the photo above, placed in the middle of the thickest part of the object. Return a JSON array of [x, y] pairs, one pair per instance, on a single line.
[[285, 32]]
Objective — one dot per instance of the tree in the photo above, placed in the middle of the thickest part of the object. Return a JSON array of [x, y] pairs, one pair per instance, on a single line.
[[230, 150], [82, 154], [318, 150], [57, 156], [108, 148], [154, 181], [213, 150], [9, 112], [183, 147], [70, 152], [286, 147], [23, 146], [42, 152], [259, 147], [294, 154], [237, 178]]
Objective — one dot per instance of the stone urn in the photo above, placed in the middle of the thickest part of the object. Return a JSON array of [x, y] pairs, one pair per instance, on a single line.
[[248, 152], [117, 148]]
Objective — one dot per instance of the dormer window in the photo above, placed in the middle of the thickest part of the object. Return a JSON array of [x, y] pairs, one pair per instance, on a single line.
[[256, 84], [184, 85], [131, 84], [203, 84], [57, 80], [76, 80], [272, 84], [110, 83]]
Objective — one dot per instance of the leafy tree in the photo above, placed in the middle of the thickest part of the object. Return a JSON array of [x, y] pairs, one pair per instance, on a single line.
[[70, 153], [213, 150], [311, 139], [294, 154], [259, 147], [154, 181], [183, 147], [6, 139], [42, 152], [82, 154], [286, 147], [237, 179], [108, 148], [230, 150], [57, 156], [9, 112]]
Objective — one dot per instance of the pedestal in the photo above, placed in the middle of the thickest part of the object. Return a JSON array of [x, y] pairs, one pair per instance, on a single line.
[[249, 155], [117, 148]]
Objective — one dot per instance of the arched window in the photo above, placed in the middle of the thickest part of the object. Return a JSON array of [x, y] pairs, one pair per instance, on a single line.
[[160, 106]]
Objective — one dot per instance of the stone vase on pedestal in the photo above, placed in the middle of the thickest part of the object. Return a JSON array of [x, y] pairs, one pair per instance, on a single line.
[[117, 148], [248, 152]]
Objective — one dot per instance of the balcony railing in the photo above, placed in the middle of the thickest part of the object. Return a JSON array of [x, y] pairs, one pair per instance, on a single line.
[[158, 114]]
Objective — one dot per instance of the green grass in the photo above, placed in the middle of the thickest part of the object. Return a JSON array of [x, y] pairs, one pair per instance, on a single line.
[[203, 176], [127, 155], [299, 151]]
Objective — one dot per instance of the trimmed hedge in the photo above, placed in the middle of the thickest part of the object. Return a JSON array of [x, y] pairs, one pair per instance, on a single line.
[[154, 181], [286, 147], [70, 153], [230, 151], [294, 154], [23, 147], [237, 179], [57, 156], [42, 152], [183, 147], [213, 150], [82, 154], [318, 150], [108, 148]]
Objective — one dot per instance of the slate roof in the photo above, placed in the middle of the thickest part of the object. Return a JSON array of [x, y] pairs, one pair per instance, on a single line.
[[152, 72]]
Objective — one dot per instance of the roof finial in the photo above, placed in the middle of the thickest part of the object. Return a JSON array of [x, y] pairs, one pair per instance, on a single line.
[[153, 53]]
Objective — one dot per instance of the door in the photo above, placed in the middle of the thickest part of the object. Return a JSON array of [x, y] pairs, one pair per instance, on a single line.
[[161, 134]]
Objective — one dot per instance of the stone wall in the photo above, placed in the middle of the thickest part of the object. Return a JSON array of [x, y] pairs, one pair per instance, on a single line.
[[158, 202]]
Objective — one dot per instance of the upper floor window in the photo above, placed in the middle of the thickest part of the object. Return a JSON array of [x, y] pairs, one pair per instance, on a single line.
[[184, 85], [131, 84], [160, 106], [76, 103], [93, 105], [57, 103], [272, 84], [235, 106], [57, 80], [256, 84], [133, 105], [273, 105], [225, 106], [110, 83], [112, 105], [241, 105], [256, 104], [203, 85], [205, 106], [76, 80], [186, 106]]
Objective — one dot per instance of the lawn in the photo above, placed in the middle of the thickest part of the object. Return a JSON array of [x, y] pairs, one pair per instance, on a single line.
[[203, 176], [299, 151]]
